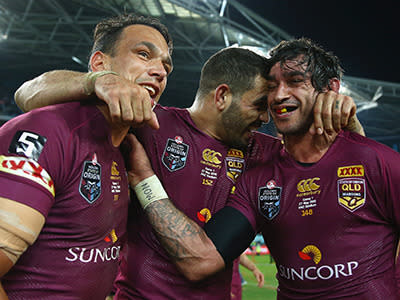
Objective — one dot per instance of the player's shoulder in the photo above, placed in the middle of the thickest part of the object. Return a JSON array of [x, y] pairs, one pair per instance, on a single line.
[[49, 116], [262, 148], [168, 112], [364, 143]]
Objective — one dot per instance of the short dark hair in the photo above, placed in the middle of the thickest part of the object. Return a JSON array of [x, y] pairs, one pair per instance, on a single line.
[[322, 65], [108, 31], [234, 66]]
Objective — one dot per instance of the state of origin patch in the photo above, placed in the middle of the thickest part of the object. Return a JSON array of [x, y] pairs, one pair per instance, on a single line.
[[175, 154]]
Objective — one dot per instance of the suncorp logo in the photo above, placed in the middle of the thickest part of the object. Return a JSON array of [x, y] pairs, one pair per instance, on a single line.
[[95, 255], [314, 272]]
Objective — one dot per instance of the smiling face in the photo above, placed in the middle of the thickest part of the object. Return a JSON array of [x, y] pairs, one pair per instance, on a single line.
[[141, 55], [291, 96], [245, 115]]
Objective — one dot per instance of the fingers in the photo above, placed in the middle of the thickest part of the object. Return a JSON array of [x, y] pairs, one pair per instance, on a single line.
[[260, 279], [331, 112], [127, 102], [318, 126]]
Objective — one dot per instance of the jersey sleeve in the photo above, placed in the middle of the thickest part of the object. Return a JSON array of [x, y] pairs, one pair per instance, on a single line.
[[244, 199], [31, 159]]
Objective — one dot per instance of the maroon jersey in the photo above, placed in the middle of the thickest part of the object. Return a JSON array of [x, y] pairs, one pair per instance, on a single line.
[[332, 227], [60, 161], [198, 173]]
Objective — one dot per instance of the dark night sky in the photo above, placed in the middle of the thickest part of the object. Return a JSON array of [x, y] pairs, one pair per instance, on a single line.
[[365, 35]]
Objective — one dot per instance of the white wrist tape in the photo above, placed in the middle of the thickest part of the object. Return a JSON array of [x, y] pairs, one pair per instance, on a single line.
[[150, 190]]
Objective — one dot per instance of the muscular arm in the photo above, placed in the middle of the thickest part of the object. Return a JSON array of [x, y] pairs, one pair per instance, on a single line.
[[187, 244], [196, 252], [49, 88], [19, 227], [127, 101]]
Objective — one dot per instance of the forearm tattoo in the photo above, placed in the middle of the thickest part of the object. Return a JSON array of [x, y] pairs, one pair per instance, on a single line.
[[180, 236]]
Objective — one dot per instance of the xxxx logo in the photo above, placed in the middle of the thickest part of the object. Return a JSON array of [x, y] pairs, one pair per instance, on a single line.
[[351, 171], [27, 168]]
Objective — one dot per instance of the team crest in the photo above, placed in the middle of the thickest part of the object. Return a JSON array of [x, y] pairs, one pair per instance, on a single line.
[[234, 164], [269, 200], [175, 154], [90, 185], [351, 193]]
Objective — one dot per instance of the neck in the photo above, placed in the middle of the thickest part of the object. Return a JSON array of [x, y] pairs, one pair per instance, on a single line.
[[308, 148], [204, 117], [119, 130]]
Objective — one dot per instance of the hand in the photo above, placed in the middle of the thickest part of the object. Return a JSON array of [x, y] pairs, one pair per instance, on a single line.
[[127, 101], [138, 166], [333, 112], [259, 277]]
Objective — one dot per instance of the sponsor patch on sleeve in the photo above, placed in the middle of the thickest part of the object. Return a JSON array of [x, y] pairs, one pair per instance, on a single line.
[[27, 168], [28, 144]]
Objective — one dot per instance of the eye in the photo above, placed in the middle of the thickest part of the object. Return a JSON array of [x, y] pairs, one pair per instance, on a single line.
[[168, 68], [271, 86], [144, 54]]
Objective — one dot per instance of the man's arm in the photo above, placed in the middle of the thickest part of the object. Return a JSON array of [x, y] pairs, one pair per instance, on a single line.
[[196, 252], [5, 265], [19, 227], [51, 88], [127, 101], [249, 265]]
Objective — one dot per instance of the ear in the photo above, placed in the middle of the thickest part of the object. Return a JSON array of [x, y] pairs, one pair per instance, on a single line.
[[334, 84], [222, 96], [99, 61]]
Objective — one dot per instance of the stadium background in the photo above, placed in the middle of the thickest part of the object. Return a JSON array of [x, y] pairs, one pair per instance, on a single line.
[[41, 35]]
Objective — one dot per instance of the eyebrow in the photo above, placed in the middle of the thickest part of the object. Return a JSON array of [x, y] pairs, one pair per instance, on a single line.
[[154, 48], [287, 74]]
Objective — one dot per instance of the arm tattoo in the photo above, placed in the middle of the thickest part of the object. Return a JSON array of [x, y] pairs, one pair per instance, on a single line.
[[180, 236]]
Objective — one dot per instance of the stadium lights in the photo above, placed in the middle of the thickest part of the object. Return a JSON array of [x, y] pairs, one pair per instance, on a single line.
[[78, 61]]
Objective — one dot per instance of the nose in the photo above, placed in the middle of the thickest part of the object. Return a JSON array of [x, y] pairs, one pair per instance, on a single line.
[[157, 70], [282, 92]]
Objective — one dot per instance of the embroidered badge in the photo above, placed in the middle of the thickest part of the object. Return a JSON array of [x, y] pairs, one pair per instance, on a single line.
[[351, 193], [90, 185], [175, 154], [269, 200], [234, 164]]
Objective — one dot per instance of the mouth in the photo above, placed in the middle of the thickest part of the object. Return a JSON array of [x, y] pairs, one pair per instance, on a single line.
[[283, 110], [152, 90]]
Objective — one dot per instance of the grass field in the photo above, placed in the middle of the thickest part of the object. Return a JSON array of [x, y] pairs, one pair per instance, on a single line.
[[251, 291]]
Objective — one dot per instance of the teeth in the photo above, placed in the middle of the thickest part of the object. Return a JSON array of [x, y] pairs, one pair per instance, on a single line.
[[281, 111], [151, 90]]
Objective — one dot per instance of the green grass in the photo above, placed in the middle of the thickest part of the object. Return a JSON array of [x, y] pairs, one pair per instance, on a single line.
[[251, 291]]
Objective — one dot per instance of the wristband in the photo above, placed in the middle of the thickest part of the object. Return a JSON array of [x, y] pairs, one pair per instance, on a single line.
[[150, 190], [90, 79]]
